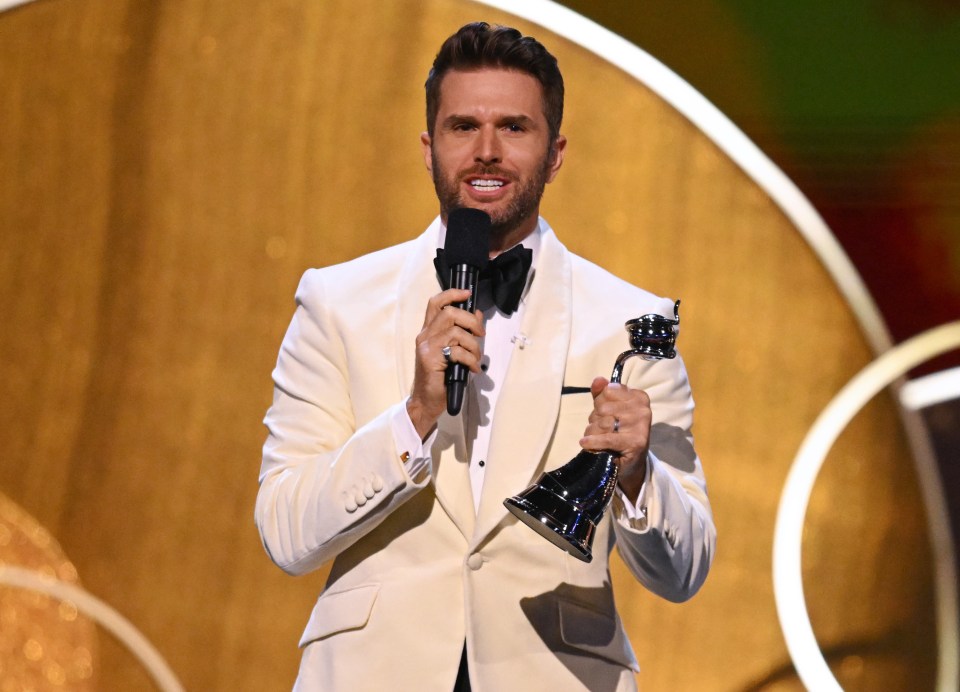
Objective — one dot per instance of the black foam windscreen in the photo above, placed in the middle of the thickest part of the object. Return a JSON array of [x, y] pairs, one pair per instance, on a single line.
[[468, 238]]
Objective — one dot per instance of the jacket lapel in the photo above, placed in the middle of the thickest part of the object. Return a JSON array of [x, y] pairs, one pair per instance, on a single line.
[[451, 476], [529, 402]]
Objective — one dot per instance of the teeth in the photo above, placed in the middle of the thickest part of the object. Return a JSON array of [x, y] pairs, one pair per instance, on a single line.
[[487, 183]]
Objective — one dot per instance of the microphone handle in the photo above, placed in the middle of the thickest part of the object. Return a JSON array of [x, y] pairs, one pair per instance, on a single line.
[[461, 276]]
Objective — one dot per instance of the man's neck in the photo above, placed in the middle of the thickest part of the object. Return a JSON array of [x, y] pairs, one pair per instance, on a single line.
[[501, 241]]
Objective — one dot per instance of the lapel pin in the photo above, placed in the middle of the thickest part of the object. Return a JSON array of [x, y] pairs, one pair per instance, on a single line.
[[520, 340]]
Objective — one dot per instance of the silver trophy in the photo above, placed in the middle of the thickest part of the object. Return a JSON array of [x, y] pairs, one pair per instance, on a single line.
[[565, 505]]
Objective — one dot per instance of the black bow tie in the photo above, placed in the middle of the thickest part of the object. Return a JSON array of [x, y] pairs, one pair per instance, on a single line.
[[505, 276]]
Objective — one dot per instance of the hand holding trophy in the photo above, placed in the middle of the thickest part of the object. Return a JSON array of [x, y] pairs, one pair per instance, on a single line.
[[566, 504]]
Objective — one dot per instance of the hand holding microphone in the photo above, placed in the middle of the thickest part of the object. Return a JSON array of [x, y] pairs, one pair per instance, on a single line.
[[465, 254], [440, 382]]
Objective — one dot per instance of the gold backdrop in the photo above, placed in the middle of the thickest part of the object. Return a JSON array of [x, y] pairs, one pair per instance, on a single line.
[[168, 170]]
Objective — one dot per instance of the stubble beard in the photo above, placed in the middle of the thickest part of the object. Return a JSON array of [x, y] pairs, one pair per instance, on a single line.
[[524, 202]]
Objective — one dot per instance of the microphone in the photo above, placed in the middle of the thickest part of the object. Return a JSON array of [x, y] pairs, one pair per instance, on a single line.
[[466, 252]]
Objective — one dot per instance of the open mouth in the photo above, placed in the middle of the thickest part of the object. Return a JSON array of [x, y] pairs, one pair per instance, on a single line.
[[486, 184]]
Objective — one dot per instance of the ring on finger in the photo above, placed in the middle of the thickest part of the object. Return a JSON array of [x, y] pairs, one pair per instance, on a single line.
[[616, 424], [446, 350]]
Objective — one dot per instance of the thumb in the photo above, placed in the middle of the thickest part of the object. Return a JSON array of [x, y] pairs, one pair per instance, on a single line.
[[598, 385]]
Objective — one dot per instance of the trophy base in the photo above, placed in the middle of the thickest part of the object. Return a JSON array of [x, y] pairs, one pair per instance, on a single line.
[[563, 525]]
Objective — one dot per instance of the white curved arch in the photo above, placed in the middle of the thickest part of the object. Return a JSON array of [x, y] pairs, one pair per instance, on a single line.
[[721, 131], [792, 202], [787, 573], [9, 4], [100, 612], [931, 390]]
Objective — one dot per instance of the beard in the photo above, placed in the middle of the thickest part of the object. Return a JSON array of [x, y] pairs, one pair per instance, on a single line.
[[523, 203]]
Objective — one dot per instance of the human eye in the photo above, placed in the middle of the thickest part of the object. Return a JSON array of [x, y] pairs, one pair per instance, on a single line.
[[518, 125]]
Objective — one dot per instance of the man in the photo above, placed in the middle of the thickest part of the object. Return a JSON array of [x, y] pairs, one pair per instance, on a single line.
[[435, 586]]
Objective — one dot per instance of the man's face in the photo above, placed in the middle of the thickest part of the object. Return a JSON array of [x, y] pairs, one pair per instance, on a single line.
[[491, 148]]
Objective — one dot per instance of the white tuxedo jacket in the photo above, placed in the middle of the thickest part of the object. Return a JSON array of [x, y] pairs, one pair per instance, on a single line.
[[416, 571]]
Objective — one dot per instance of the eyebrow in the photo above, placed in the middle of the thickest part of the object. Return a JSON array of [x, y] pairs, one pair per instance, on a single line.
[[518, 119]]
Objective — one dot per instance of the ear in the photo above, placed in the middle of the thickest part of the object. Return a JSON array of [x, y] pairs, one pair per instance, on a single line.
[[556, 157], [425, 143]]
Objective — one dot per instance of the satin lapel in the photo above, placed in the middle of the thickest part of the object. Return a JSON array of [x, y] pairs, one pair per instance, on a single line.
[[451, 475], [527, 408]]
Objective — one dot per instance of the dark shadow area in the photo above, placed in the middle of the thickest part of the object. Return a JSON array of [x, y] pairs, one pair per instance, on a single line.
[[671, 446], [578, 624]]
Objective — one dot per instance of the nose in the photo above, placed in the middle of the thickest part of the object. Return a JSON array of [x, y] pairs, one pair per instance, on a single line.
[[488, 147]]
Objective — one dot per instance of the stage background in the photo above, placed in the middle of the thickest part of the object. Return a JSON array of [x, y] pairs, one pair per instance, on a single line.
[[169, 169]]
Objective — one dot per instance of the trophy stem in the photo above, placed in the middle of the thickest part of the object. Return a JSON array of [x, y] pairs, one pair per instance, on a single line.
[[621, 360]]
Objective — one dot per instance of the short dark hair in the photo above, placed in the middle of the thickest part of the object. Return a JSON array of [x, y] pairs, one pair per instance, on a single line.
[[478, 45]]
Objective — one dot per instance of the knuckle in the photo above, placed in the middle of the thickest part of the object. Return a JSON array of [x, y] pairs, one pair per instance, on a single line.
[[603, 408]]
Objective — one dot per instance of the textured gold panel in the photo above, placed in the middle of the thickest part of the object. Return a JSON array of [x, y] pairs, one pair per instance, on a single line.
[[167, 171], [45, 644]]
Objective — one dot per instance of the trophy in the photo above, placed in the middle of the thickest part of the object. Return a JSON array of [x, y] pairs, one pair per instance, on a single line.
[[565, 505]]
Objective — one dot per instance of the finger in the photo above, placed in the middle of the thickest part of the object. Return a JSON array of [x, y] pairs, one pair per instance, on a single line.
[[610, 407], [449, 297], [610, 442], [624, 445], [468, 321], [464, 347], [598, 385], [606, 421], [441, 300], [610, 425], [616, 392], [450, 330], [458, 334], [448, 316], [630, 407], [469, 359]]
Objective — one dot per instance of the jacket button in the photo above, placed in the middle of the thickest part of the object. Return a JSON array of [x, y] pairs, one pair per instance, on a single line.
[[475, 561]]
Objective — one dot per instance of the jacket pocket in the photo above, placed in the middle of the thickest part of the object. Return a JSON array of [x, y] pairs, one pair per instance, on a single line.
[[595, 632], [339, 612], [572, 419]]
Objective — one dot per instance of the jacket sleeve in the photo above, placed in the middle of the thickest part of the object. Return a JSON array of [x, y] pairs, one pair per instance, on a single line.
[[670, 549], [324, 482]]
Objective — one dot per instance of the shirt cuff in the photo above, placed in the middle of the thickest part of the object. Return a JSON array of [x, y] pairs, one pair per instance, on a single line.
[[634, 515], [412, 451]]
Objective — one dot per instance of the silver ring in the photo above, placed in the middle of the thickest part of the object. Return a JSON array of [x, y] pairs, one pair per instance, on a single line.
[[616, 424], [446, 353]]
